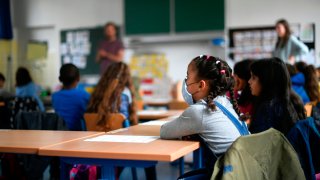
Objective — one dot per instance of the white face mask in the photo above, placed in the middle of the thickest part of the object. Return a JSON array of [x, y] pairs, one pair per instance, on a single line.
[[186, 95]]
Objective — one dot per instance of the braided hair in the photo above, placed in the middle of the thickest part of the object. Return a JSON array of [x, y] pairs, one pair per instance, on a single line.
[[219, 75]]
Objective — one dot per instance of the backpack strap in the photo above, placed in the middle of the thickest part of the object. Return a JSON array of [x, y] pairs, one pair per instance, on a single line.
[[242, 128]]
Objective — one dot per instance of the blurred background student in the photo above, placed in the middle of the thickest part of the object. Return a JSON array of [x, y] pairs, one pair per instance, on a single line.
[[298, 83], [242, 92], [110, 49], [311, 86], [4, 93], [25, 87], [70, 103], [114, 93], [288, 47]]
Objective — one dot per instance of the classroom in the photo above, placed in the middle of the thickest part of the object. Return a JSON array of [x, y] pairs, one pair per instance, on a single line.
[[162, 89]]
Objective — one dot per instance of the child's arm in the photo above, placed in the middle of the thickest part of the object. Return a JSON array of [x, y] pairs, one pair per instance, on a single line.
[[190, 122]]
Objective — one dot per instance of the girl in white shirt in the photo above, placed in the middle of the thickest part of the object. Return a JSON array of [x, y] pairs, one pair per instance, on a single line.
[[208, 80]]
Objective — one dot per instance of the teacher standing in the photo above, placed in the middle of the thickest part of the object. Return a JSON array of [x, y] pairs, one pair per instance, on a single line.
[[288, 47], [111, 49]]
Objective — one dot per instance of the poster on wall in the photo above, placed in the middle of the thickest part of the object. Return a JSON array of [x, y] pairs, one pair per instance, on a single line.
[[76, 48]]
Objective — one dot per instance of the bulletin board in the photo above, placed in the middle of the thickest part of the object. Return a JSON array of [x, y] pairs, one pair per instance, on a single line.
[[259, 42], [79, 46]]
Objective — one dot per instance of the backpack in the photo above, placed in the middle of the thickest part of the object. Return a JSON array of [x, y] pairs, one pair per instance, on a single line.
[[83, 172]]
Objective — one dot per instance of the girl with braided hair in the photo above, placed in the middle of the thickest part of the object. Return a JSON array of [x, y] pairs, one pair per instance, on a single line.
[[204, 89]]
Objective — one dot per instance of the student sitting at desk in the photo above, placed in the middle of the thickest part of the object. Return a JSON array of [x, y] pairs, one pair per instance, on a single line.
[[3, 92], [26, 88], [70, 103], [210, 114], [114, 93], [277, 105]]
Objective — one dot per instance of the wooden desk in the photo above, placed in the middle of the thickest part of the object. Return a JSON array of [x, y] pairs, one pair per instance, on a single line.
[[111, 154], [154, 114], [29, 141]]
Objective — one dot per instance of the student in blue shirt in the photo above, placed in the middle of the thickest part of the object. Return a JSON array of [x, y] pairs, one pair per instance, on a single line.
[[70, 103], [26, 88]]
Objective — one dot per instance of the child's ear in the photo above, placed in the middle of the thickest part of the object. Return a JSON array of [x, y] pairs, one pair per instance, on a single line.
[[202, 84]]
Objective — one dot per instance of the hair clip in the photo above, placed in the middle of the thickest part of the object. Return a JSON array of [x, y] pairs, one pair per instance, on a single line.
[[222, 71], [208, 57], [217, 62], [201, 56]]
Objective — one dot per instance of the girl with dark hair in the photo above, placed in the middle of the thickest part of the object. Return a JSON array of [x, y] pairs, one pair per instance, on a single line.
[[277, 105], [243, 94], [26, 88], [114, 93], [211, 115], [288, 47]]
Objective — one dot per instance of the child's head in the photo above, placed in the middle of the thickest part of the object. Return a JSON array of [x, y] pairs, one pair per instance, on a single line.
[[209, 77], [242, 74], [22, 77], [291, 69], [69, 75], [2, 80], [270, 79], [312, 86]]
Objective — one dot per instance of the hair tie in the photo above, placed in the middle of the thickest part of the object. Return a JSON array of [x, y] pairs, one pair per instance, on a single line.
[[208, 57], [201, 56], [222, 71], [217, 62]]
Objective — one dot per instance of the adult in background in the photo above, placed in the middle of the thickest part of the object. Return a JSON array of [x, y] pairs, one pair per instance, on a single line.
[[288, 47], [110, 49]]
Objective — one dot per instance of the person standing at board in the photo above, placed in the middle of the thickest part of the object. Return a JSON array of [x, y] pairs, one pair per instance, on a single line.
[[110, 49], [288, 47]]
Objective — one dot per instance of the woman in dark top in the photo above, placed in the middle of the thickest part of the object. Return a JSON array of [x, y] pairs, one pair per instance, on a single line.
[[277, 105]]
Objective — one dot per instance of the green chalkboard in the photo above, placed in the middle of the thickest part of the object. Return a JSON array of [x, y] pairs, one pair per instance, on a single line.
[[95, 35], [147, 17], [199, 15]]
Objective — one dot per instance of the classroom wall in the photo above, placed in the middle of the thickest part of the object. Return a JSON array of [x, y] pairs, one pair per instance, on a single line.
[[246, 13], [32, 16]]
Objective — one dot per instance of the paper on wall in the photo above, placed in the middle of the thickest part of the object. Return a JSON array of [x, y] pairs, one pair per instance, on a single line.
[[123, 139]]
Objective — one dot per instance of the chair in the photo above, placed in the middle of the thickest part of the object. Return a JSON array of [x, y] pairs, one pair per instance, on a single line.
[[305, 139], [117, 121], [178, 105], [308, 108]]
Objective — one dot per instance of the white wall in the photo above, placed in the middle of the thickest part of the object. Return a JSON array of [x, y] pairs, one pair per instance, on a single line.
[[64, 14]]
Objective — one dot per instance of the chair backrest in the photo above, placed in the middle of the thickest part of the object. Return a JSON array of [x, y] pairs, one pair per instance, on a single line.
[[178, 105], [308, 108], [115, 122]]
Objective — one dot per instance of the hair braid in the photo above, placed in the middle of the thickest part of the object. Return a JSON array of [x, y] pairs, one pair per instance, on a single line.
[[219, 75]]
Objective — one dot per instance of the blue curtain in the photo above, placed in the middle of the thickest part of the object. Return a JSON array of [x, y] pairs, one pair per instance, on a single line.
[[5, 20]]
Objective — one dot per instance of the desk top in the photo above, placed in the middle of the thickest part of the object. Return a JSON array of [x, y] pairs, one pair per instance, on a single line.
[[157, 150], [157, 114], [29, 141]]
